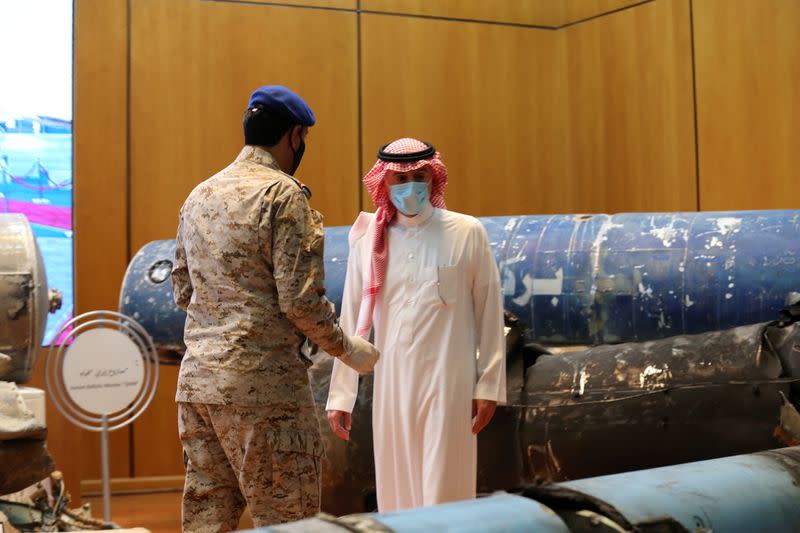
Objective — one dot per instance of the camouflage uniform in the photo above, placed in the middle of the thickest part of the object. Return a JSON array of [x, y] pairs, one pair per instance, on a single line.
[[249, 272]]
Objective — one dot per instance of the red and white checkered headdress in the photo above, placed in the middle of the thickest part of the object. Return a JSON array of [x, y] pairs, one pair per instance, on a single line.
[[403, 155]]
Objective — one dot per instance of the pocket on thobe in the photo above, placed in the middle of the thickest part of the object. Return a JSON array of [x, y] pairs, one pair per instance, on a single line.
[[447, 284]]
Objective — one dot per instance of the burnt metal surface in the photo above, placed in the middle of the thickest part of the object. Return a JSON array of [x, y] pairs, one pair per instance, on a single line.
[[24, 462], [146, 296], [24, 298], [503, 513], [24, 458], [40, 509], [788, 431], [756, 492], [348, 480], [595, 279], [636, 406]]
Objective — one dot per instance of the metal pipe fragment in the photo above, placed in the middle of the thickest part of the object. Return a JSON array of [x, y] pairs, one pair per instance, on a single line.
[[756, 492], [579, 279]]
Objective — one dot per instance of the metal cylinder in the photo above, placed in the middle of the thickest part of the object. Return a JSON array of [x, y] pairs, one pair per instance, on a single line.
[[502, 513], [595, 279], [146, 295], [581, 279], [629, 406], [24, 301], [756, 492]]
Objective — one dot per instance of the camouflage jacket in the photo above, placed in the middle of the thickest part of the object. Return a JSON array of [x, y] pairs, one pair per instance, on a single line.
[[248, 271]]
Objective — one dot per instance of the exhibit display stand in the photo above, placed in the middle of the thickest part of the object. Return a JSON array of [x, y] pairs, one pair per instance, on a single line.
[[102, 374]]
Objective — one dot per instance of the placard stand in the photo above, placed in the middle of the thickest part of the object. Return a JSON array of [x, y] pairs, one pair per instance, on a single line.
[[102, 373]]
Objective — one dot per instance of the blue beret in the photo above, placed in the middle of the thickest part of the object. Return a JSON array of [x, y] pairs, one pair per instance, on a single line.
[[281, 100]]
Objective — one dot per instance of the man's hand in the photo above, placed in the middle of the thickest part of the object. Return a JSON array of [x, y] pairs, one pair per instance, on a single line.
[[482, 413], [359, 354], [340, 422]]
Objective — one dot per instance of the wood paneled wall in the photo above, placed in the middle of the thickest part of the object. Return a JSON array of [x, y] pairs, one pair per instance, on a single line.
[[491, 98], [748, 111], [630, 112], [193, 66], [538, 106], [542, 13]]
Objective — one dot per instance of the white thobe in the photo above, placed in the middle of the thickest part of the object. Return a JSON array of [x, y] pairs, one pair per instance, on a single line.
[[438, 322]]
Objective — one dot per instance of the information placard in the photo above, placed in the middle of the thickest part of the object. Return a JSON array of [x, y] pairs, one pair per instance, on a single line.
[[103, 371]]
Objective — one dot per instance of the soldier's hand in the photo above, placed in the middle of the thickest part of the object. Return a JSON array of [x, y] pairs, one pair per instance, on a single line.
[[359, 354], [340, 422]]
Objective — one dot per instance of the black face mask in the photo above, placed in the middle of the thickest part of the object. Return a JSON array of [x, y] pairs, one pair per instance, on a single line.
[[298, 155]]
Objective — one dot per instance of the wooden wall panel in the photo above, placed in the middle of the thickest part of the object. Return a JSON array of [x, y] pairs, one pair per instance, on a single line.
[[748, 82], [491, 98], [193, 67], [630, 112], [100, 199], [337, 4], [547, 13], [156, 444]]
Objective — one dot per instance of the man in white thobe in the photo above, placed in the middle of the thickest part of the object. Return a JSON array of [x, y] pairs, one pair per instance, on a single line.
[[426, 281]]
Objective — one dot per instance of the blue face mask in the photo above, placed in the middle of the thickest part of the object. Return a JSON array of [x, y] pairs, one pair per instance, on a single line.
[[410, 198]]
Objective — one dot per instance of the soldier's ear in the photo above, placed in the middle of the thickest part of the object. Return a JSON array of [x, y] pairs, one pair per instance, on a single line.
[[296, 137]]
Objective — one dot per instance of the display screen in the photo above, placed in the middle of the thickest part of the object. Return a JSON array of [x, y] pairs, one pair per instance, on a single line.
[[36, 133]]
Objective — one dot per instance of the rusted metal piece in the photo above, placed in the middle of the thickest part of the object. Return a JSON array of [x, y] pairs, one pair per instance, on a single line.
[[146, 296], [24, 462], [788, 430], [55, 299], [24, 458], [348, 481], [6, 364], [755, 492], [595, 279], [49, 511], [634, 406], [23, 297], [504, 513]]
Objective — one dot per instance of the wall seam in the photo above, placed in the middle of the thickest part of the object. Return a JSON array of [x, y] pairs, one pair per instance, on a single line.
[[283, 5], [360, 11], [694, 110], [360, 112], [128, 203], [601, 15]]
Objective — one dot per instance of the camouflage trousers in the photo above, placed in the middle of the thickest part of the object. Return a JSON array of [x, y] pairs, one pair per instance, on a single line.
[[235, 457]]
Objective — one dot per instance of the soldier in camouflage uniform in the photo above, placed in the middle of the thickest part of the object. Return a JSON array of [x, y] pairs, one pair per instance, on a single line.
[[249, 273]]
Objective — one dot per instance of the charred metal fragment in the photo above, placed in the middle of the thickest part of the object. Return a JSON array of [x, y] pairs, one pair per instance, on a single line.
[[788, 431], [635, 406], [24, 458], [756, 492], [24, 300]]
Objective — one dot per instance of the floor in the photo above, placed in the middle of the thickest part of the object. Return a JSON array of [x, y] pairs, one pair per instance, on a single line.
[[158, 512]]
